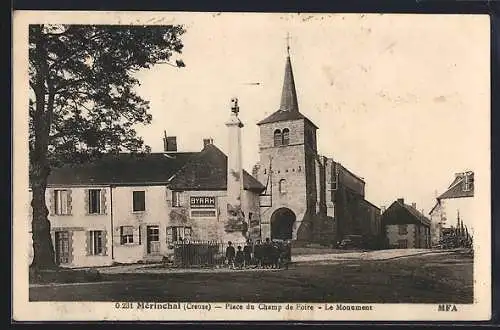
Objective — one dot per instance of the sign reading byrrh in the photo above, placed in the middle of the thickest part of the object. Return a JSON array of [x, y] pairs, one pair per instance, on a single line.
[[202, 202]]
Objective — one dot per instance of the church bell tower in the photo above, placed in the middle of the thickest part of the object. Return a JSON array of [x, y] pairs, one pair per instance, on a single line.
[[287, 152]]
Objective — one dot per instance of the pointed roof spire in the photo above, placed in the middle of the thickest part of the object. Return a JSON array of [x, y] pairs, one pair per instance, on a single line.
[[288, 94]]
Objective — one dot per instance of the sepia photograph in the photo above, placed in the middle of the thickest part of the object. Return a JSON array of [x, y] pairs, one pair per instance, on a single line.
[[237, 166]]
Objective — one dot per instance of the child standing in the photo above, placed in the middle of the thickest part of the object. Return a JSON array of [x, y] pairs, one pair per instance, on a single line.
[[240, 258], [247, 253]]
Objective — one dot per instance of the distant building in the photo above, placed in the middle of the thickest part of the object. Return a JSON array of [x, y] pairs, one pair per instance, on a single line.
[[456, 203], [308, 197], [405, 226]]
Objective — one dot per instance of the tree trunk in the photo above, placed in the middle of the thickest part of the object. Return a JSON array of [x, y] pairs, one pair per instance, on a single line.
[[43, 249]]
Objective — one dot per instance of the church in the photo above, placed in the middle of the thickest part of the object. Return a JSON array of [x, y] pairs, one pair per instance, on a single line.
[[309, 197]]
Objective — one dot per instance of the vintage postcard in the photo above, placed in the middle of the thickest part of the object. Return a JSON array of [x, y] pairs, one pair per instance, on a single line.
[[251, 166]]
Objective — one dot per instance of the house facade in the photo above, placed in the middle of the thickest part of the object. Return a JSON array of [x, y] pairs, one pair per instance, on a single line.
[[455, 204], [308, 197], [127, 208], [405, 226]]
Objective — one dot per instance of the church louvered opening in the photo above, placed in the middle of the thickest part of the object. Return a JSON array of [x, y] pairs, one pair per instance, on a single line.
[[277, 138], [286, 137]]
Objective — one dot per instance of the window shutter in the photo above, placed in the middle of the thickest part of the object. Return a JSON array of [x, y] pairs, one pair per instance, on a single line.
[[86, 201], [88, 245], [187, 233], [117, 236], [69, 201], [137, 235], [104, 243], [168, 196], [71, 248], [142, 233], [52, 203], [103, 201], [169, 235]]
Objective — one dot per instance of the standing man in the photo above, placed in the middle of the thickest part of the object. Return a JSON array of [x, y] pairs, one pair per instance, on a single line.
[[247, 253], [230, 254]]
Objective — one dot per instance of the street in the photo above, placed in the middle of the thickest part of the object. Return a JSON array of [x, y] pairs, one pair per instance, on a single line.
[[434, 278]]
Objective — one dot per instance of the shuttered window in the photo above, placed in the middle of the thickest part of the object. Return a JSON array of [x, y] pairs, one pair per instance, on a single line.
[[126, 234], [178, 233], [62, 202], [96, 244], [176, 198]]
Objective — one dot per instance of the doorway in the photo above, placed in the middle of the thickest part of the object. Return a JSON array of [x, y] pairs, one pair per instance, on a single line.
[[153, 239], [282, 222]]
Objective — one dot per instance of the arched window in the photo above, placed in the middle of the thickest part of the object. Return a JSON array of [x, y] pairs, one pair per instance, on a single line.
[[286, 136], [282, 186], [277, 138]]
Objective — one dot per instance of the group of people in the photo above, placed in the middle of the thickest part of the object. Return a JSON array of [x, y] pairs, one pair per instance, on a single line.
[[267, 254]]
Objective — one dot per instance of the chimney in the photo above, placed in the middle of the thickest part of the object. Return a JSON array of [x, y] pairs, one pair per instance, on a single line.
[[414, 205], [207, 141], [169, 143], [401, 200], [234, 157]]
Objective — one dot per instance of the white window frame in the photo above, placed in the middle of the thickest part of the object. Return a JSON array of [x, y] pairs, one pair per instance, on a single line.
[[176, 198], [95, 237], [181, 233], [126, 239], [99, 200], [133, 200], [61, 205]]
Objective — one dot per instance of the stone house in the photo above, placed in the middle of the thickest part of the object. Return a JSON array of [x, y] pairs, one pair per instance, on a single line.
[[405, 226]]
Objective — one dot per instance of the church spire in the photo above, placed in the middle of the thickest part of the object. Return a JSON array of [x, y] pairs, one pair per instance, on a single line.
[[289, 94]]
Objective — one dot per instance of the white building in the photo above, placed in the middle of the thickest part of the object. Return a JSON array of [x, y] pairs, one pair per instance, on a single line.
[[127, 208], [456, 203]]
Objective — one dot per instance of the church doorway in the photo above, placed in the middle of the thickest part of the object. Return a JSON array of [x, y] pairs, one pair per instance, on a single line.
[[282, 223]]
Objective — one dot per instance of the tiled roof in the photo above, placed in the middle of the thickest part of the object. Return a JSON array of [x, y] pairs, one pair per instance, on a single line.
[[122, 169], [457, 188], [410, 215], [281, 115], [416, 213], [208, 171], [289, 108]]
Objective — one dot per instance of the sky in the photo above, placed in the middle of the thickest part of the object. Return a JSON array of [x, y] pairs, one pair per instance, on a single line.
[[400, 100]]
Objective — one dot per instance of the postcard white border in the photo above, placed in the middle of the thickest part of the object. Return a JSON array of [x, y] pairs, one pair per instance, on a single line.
[[23, 310]]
